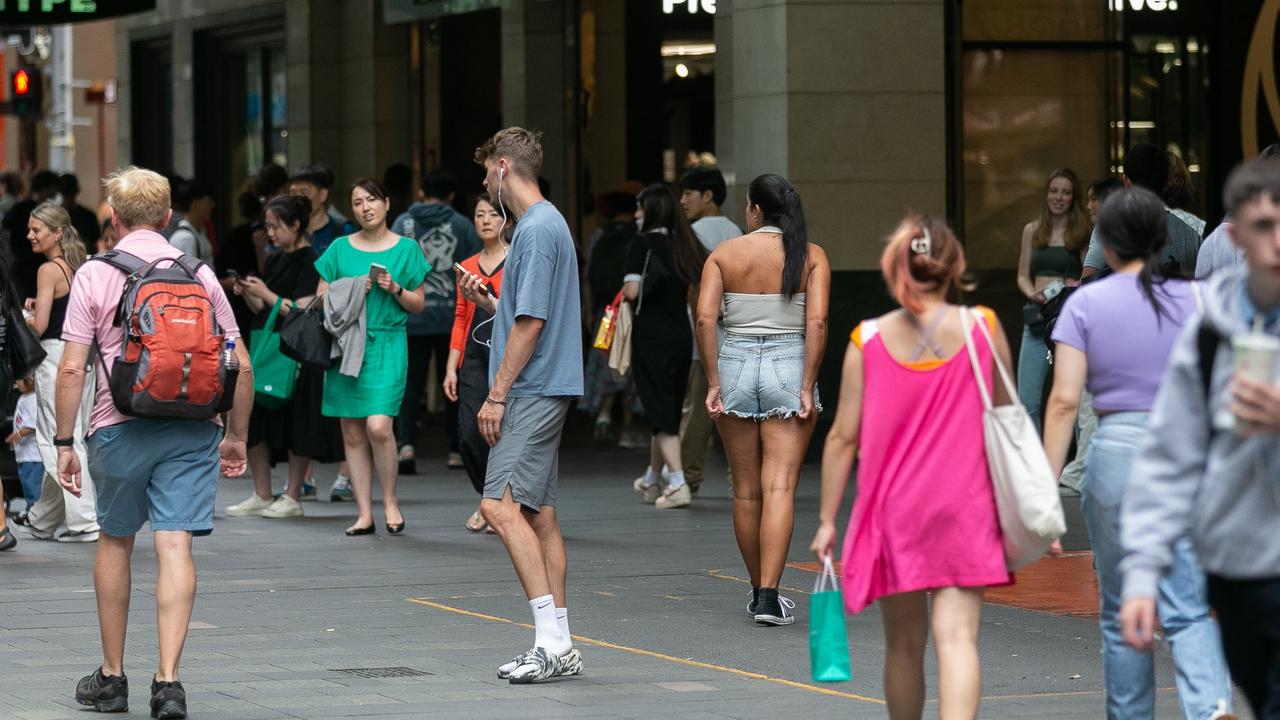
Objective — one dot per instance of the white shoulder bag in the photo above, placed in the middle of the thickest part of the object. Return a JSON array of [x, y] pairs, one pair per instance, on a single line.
[[1027, 500]]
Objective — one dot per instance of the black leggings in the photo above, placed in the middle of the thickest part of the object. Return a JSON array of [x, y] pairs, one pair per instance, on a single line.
[[473, 388], [1249, 615], [421, 350]]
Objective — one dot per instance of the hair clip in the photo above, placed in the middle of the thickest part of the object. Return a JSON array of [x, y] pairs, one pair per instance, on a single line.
[[922, 245]]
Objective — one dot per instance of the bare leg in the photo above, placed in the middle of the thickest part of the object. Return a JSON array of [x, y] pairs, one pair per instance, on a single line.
[[742, 443], [386, 460], [111, 582], [355, 441], [906, 629], [507, 518], [260, 467], [668, 447], [175, 597], [299, 467], [784, 445], [547, 528], [956, 616]]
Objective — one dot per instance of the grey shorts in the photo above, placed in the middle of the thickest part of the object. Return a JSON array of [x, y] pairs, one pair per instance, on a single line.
[[527, 456]]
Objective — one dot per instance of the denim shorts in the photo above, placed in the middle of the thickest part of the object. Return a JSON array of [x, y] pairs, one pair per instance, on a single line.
[[761, 375], [160, 471]]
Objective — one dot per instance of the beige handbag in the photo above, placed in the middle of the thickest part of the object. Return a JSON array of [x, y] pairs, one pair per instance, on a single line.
[[620, 350], [1026, 491]]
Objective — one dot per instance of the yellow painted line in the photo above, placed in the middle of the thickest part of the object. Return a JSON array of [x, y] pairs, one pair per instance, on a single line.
[[660, 656], [720, 575]]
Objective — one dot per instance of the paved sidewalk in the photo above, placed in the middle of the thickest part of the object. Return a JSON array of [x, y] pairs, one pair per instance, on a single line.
[[292, 617]]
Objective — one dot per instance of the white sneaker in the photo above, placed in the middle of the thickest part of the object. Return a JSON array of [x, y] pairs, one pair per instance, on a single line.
[[341, 490], [674, 498], [649, 493], [252, 507], [283, 507]]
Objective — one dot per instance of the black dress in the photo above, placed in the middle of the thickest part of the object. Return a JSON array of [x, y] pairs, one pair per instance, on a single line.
[[298, 427], [661, 339], [473, 388]]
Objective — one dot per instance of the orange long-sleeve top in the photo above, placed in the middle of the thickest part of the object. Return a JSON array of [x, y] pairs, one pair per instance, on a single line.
[[464, 310]]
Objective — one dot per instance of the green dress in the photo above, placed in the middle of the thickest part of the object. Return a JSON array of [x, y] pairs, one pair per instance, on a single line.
[[380, 387]]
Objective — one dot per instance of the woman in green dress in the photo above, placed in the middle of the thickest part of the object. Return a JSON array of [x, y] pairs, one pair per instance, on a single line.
[[367, 404]]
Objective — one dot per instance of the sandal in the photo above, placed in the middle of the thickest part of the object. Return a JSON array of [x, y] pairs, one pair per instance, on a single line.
[[476, 523]]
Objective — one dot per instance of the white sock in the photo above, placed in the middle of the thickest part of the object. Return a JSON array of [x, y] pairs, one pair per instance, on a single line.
[[675, 480], [562, 619], [651, 478], [546, 629]]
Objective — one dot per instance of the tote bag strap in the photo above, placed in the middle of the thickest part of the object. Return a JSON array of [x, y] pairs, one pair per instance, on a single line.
[[269, 328], [965, 319], [1010, 387], [827, 580]]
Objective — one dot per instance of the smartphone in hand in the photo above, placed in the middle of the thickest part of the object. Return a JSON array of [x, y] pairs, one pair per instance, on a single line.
[[375, 270], [484, 289]]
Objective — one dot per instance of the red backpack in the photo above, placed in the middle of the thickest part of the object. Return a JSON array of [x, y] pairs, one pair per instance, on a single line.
[[172, 365]]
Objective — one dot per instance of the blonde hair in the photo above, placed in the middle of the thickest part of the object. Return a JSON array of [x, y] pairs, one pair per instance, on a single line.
[[522, 148], [139, 197], [58, 220]]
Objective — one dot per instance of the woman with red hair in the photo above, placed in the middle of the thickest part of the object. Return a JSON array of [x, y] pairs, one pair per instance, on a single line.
[[925, 515]]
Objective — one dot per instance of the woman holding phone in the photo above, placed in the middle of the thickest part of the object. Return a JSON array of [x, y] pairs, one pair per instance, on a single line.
[[394, 270], [466, 379]]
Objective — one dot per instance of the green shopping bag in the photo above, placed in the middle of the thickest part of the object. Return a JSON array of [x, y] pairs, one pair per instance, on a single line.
[[274, 375], [828, 637]]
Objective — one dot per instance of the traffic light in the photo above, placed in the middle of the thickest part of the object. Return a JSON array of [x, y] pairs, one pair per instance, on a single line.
[[25, 93]]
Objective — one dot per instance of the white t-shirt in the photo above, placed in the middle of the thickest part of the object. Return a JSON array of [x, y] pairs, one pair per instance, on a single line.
[[715, 229], [25, 417]]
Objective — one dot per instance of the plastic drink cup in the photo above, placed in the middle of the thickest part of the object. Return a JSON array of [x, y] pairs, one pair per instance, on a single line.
[[1256, 354]]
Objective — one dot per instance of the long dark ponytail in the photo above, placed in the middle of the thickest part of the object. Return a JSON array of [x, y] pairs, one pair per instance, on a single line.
[[780, 206], [662, 210], [1132, 225]]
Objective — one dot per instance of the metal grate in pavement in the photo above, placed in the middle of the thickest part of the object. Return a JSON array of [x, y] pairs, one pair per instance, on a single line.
[[381, 672]]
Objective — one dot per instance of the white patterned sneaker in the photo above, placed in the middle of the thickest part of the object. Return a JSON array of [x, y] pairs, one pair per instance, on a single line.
[[283, 507], [648, 493], [674, 498], [539, 665], [252, 507]]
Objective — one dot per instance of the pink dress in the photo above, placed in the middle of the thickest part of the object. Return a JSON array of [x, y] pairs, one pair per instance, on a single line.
[[925, 512]]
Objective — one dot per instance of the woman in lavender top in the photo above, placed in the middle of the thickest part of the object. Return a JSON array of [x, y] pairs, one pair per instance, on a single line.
[[1114, 338]]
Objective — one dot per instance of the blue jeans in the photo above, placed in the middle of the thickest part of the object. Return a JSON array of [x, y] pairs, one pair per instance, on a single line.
[[31, 474], [1193, 635], [1033, 367]]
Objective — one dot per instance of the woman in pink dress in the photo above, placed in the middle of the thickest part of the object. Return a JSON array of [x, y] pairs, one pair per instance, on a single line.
[[924, 520]]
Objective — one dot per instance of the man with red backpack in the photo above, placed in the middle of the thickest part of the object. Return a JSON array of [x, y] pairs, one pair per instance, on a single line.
[[157, 328]]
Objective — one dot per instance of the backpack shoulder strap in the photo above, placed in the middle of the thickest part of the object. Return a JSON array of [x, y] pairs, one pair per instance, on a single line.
[[125, 262], [1207, 342], [188, 263]]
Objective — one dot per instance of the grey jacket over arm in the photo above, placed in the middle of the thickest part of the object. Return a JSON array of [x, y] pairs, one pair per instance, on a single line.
[[344, 318]]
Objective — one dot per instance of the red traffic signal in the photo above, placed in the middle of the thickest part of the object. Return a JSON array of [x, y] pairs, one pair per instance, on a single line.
[[21, 83]]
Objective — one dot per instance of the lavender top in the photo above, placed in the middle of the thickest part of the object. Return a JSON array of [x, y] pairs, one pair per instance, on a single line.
[[1114, 325]]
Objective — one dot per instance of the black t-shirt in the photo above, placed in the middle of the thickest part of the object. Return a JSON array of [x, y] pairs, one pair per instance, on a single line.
[[26, 263], [608, 258], [291, 276], [663, 299], [85, 221]]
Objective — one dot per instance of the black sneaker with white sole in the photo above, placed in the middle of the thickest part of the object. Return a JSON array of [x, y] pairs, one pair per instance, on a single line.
[[104, 693], [774, 609], [540, 666], [755, 600], [168, 700]]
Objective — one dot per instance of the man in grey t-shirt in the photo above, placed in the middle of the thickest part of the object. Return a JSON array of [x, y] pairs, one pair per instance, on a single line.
[[1147, 166], [535, 370]]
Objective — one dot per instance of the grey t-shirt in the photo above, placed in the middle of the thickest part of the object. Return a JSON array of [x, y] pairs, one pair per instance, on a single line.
[[1183, 247], [1217, 253], [540, 280], [714, 229]]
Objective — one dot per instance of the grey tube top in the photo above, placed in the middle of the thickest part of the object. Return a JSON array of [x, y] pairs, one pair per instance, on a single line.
[[773, 314]]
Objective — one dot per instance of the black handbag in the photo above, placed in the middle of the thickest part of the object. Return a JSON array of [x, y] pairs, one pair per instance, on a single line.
[[303, 337], [25, 353]]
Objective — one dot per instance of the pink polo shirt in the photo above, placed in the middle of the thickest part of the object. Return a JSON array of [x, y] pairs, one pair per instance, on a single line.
[[95, 295]]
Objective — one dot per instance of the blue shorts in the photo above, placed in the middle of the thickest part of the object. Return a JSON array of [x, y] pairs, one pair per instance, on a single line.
[[161, 471], [761, 375]]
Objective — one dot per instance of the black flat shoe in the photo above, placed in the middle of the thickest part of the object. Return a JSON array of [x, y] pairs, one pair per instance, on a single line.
[[7, 539], [395, 528], [354, 531]]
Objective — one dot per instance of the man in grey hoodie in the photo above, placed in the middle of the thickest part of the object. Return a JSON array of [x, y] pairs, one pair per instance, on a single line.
[[446, 237], [1197, 473]]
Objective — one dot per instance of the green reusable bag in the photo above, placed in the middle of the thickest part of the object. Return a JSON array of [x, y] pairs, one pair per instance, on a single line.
[[828, 637], [274, 375]]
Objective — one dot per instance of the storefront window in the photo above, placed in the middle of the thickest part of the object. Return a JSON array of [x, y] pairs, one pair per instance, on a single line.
[[1038, 20]]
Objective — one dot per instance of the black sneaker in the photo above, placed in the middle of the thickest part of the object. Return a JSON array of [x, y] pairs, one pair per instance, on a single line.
[[168, 700], [7, 539], [755, 600], [773, 609], [104, 693]]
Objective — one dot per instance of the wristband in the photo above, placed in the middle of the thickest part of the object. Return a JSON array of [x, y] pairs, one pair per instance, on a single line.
[[503, 403], [64, 442], [399, 289]]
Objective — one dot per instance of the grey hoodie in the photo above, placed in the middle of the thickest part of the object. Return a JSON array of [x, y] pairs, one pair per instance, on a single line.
[[344, 318], [1220, 487]]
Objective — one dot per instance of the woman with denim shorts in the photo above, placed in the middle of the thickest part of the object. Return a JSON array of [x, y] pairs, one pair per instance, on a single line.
[[1114, 337], [772, 285]]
